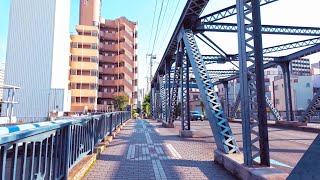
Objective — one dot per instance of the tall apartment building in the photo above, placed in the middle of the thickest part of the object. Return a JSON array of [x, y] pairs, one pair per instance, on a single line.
[[107, 60], [84, 69], [37, 57]]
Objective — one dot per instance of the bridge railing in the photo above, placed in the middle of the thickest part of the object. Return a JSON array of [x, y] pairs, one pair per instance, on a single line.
[[48, 152]]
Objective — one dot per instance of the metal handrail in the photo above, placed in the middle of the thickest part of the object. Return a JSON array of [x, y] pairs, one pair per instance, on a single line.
[[48, 150]]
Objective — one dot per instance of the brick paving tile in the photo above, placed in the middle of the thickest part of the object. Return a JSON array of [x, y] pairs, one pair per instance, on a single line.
[[145, 150]]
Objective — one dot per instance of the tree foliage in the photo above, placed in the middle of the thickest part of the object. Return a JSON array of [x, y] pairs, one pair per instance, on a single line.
[[146, 105], [120, 102]]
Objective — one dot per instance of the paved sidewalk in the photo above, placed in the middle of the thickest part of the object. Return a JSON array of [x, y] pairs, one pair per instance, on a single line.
[[145, 150]]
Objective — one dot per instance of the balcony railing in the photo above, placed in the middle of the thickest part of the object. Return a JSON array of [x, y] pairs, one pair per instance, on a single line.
[[51, 149]]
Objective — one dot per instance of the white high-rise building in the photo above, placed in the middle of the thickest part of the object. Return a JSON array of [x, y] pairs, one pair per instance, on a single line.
[[38, 57]]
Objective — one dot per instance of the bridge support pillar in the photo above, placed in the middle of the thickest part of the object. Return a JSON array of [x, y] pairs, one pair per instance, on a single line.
[[287, 90], [226, 98]]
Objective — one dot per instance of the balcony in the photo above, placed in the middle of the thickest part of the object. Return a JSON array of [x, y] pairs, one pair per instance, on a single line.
[[84, 65], [83, 28], [107, 47], [107, 36], [124, 34], [108, 95], [103, 82], [107, 59], [80, 107], [127, 59], [84, 52], [103, 70], [124, 83], [124, 70], [83, 93], [126, 46], [83, 79], [85, 39], [107, 23]]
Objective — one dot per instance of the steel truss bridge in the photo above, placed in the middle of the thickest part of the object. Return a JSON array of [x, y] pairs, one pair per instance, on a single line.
[[182, 57]]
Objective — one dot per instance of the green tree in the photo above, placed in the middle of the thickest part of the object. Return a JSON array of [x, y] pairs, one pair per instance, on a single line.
[[120, 102], [146, 105]]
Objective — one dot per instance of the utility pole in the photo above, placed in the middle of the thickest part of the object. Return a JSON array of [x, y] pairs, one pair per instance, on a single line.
[[150, 63]]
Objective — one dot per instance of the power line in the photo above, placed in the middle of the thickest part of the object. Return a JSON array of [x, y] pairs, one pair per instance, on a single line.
[[164, 15], [169, 26], [154, 15], [155, 37]]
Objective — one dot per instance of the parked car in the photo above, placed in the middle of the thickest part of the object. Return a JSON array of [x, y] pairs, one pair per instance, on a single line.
[[195, 116]]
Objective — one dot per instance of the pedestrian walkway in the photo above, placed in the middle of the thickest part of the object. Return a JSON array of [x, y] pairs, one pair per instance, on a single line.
[[145, 150]]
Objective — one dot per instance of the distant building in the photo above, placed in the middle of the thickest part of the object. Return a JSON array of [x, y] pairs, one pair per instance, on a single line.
[[37, 57], [301, 92], [103, 60], [315, 75], [300, 67], [195, 100]]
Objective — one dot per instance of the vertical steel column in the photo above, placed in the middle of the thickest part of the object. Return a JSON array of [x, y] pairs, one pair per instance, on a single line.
[[187, 115], [252, 87], [163, 97], [167, 89], [226, 98], [176, 83], [185, 106], [244, 89], [287, 90], [260, 84]]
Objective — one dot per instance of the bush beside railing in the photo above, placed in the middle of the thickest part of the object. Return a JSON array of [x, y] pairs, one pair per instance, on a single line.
[[49, 152]]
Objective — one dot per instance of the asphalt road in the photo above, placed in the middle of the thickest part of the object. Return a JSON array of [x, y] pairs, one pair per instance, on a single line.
[[286, 146]]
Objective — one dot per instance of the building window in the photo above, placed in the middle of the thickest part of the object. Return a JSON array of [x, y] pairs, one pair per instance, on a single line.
[[93, 46], [93, 73], [73, 85], [73, 99], [276, 87], [92, 100], [93, 59], [308, 85], [93, 86], [195, 97], [277, 101], [94, 33], [85, 1], [73, 72], [74, 58], [75, 45]]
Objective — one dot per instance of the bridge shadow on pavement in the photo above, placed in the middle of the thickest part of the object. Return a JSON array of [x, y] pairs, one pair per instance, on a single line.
[[145, 150]]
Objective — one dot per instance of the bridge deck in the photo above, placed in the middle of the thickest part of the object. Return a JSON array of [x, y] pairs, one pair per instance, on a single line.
[[145, 150]]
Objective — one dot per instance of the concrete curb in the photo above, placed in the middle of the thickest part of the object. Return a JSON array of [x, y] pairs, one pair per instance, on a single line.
[[80, 169], [234, 164]]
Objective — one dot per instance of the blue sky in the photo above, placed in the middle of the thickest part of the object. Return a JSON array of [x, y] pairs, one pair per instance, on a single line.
[[141, 11], [284, 12]]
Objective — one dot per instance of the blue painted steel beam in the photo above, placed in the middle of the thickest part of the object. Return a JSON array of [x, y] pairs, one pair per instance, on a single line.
[[227, 12], [219, 125], [192, 8], [266, 29]]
